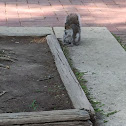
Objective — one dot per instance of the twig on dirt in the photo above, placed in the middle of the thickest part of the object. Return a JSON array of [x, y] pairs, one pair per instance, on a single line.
[[14, 59], [2, 93], [46, 78], [1, 65], [6, 59]]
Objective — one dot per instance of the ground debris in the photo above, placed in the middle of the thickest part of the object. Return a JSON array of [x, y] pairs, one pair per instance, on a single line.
[[4, 66], [46, 78], [2, 93], [6, 59]]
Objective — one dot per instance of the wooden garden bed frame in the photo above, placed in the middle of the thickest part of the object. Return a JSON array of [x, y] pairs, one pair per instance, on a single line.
[[79, 116]]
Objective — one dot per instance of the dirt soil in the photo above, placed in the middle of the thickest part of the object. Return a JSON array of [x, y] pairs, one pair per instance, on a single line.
[[31, 82]]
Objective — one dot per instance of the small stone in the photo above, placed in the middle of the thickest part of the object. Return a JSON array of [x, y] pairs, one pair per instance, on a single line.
[[17, 42]]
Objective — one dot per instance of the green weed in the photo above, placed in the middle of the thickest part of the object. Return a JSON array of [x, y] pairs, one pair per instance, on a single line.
[[117, 38], [105, 121], [111, 113], [34, 105], [37, 90]]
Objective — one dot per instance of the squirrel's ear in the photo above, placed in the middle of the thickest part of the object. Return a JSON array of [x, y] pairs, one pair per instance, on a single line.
[[68, 16]]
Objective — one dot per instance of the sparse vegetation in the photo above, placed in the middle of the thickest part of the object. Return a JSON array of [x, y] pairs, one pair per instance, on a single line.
[[66, 53], [119, 40], [37, 90], [34, 105], [111, 113], [4, 57], [97, 105], [105, 121]]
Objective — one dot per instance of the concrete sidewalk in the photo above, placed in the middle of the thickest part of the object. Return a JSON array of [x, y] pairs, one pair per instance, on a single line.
[[103, 60]]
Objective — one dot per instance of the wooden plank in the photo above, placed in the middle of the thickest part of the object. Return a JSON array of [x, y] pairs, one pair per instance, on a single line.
[[74, 123], [43, 117], [72, 85]]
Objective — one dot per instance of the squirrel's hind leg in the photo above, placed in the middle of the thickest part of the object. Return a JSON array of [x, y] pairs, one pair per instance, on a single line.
[[77, 39]]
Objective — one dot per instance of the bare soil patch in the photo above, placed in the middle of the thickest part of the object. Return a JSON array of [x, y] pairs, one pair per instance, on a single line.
[[31, 82]]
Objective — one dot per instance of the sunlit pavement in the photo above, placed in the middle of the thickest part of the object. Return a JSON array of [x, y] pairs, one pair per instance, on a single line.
[[94, 13]]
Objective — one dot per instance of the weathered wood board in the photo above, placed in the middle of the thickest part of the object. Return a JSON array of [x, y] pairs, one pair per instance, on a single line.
[[43, 117], [72, 85], [73, 123]]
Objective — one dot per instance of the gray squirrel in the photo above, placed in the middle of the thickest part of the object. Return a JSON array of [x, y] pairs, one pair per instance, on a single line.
[[72, 32]]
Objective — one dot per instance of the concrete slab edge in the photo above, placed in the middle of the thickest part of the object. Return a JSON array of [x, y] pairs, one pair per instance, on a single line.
[[25, 31]]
